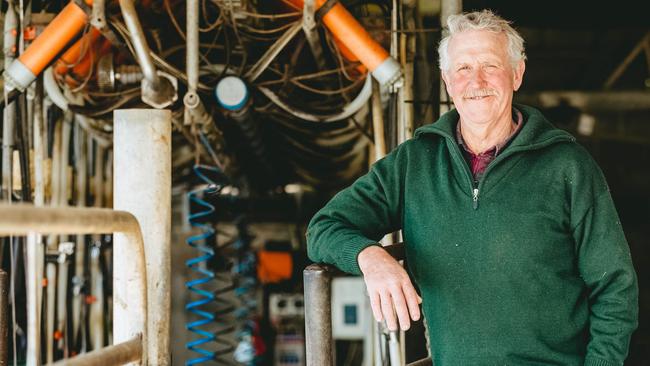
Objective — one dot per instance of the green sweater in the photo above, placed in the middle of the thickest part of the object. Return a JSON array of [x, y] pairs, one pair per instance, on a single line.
[[528, 267]]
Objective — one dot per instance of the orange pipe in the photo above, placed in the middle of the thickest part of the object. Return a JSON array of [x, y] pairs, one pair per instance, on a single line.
[[72, 76], [347, 30], [63, 28], [72, 56]]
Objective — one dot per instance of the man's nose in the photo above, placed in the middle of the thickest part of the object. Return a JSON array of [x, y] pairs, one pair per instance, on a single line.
[[478, 76]]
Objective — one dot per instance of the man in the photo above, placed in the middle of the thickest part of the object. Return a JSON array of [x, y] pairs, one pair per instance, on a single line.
[[510, 230]]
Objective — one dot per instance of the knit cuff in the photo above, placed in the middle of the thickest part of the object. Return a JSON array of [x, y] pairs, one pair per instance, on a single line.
[[592, 361], [348, 259]]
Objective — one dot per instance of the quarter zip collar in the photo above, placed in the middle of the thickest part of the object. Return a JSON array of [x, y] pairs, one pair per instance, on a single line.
[[536, 133]]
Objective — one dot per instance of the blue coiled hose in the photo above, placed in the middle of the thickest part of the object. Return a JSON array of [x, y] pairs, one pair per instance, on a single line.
[[201, 285]]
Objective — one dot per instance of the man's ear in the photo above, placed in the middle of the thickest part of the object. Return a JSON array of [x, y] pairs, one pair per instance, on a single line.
[[518, 75]]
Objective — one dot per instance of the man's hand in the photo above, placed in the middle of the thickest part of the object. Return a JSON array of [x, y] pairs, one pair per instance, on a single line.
[[389, 287]]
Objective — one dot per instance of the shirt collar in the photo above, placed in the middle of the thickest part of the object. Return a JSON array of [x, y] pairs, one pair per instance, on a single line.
[[517, 119]]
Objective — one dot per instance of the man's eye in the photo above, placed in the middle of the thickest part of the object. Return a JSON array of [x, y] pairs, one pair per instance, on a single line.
[[463, 68]]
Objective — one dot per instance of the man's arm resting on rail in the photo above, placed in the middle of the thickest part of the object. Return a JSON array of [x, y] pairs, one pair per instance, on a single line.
[[346, 231]]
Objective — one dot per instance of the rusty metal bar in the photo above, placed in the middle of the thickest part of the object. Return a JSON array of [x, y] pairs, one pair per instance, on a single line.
[[423, 362], [318, 310], [130, 280], [114, 355], [318, 314]]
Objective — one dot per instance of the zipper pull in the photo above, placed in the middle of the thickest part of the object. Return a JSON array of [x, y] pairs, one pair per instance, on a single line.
[[475, 198]]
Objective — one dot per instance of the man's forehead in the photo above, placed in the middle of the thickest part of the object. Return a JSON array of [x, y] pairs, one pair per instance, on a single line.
[[471, 43]]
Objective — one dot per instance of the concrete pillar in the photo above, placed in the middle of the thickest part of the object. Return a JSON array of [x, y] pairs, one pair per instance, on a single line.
[[142, 186]]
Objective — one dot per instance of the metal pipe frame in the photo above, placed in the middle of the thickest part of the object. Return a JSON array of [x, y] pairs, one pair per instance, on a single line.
[[131, 296], [139, 41], [156, 91], [318, 311], [114, 355]]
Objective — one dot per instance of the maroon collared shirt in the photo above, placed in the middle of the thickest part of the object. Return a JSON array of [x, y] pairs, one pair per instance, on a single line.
[[479, 162]]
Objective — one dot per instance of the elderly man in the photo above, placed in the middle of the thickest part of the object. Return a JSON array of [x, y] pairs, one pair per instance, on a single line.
[[510, 230]]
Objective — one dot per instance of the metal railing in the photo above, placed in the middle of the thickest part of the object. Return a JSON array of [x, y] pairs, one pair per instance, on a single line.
[[318, 314], [130, 310]]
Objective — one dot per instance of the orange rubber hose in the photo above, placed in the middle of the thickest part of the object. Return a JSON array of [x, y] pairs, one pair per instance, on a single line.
[[72, 56], [63, 28], [350, 33]]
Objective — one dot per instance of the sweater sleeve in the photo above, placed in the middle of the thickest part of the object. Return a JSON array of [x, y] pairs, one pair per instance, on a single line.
[[606, 267], [357, 217]]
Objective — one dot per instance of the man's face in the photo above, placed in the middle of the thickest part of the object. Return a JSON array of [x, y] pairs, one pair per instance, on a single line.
[[480, 78]]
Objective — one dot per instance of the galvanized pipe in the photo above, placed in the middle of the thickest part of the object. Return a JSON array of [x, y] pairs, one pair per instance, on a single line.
[[35, 248], [80, 247], [142, 186], [130, 276], [4, 318], [10, 31], [138, 39], [318, 314], [96, 279], [378, 122], [192, 45], [157, 91], [114, 355]]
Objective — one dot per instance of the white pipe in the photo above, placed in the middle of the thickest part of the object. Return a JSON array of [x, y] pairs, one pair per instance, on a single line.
[[96, 308], [192, 41], [96, 316], [378, 122], [65, 249], [129, 268], [49, 315], [10, 26], [142, 185], [394, 349], [80, 247], [50, 268], [34, 243], [53, 91]]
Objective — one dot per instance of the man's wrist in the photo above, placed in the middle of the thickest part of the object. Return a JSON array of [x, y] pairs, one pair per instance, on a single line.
[[367, 256]]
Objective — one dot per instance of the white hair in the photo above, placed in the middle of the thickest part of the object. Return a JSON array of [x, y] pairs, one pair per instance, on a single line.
[[481, 20]]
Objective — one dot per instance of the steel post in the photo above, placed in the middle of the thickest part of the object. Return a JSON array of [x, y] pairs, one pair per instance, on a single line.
[[318, 314]]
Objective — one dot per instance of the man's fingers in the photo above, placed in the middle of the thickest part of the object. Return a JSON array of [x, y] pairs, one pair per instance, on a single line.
[[375, 304], [387, 310], [412, 301], [401, 309]]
